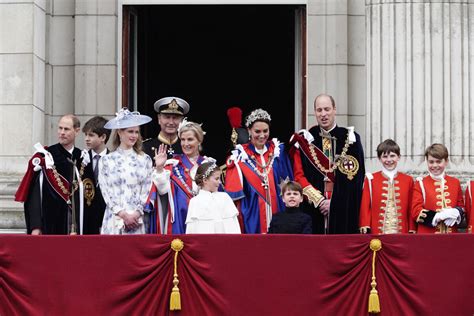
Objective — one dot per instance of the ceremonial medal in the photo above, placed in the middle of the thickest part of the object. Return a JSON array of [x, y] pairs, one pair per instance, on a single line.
[[89, 191], [348, 166]]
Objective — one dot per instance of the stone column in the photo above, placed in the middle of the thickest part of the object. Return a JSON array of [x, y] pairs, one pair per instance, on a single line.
[[420, 79], [22, 81], [336, 58], [95, 69], [60, 65], [22, 98]]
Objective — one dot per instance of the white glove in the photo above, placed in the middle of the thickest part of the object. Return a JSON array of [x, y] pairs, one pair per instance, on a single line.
[[452, 217], [437, 218], [450, 222]]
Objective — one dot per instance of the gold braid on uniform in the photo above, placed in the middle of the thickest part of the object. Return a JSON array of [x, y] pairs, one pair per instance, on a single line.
[[81, 172], [421, 217], [60, 182], [314, 196]]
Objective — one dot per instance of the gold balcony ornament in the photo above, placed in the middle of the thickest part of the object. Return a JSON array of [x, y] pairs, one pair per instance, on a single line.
[[374, 302], [175, 299]]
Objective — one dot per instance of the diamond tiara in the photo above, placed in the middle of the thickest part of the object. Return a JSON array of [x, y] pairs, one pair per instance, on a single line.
[[257, 115]]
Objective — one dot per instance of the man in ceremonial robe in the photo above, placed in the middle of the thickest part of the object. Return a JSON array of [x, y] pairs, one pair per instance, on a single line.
[[96, 137], [45, 189], [170, 113], [328, 162]]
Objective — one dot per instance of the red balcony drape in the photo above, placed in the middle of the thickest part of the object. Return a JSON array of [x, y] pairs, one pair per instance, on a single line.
[[236, 275]]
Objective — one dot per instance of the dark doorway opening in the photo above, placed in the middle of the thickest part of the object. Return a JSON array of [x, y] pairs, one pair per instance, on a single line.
[[216, 57]]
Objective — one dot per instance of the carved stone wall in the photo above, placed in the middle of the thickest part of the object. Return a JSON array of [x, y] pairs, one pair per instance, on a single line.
[[420, 80]]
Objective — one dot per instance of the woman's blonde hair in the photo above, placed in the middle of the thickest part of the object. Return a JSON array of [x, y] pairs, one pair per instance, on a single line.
[[137, 147], [196, 128]]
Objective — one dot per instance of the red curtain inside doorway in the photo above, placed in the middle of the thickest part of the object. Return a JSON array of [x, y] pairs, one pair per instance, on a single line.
[[235, 275]]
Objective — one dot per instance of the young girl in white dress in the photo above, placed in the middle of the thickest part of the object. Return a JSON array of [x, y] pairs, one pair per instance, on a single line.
[[211, 211]]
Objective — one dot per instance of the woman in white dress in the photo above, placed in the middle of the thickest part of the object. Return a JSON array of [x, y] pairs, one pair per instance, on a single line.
[[125, 176], [211, 211]]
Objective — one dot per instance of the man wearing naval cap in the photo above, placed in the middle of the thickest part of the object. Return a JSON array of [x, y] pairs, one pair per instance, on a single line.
[[171, 111]]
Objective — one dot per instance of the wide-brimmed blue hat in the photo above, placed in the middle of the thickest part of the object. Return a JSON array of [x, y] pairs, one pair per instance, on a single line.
[[124, 119]]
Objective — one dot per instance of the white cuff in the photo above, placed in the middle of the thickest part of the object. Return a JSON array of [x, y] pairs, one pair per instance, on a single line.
[[161, 180]]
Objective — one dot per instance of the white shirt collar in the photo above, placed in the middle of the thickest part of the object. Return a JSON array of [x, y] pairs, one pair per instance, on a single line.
[[101, 154], [440, 177], [391, 174], [329, 130], [71, 150]]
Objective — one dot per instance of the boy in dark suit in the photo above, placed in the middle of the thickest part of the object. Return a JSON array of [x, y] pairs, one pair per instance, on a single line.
[[292, 220], [96, 137]]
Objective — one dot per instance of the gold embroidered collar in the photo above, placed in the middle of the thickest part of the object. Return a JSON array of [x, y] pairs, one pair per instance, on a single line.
[[166, 141]]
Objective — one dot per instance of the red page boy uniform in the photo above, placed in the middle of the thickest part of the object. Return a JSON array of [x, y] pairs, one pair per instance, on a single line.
[[437, 204], [386, 203]]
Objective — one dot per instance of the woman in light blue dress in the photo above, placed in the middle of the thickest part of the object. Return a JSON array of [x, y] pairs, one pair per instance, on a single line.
[[125, 176]]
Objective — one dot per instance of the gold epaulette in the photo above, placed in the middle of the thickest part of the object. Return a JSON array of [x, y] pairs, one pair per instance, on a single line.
[[314, 196]]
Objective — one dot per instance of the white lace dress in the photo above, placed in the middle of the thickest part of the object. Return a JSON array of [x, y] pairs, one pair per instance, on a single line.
[[125, 181]]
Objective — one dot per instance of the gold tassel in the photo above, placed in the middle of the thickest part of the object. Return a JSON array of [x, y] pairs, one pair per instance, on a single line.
[[374, 302], [175, 299]]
